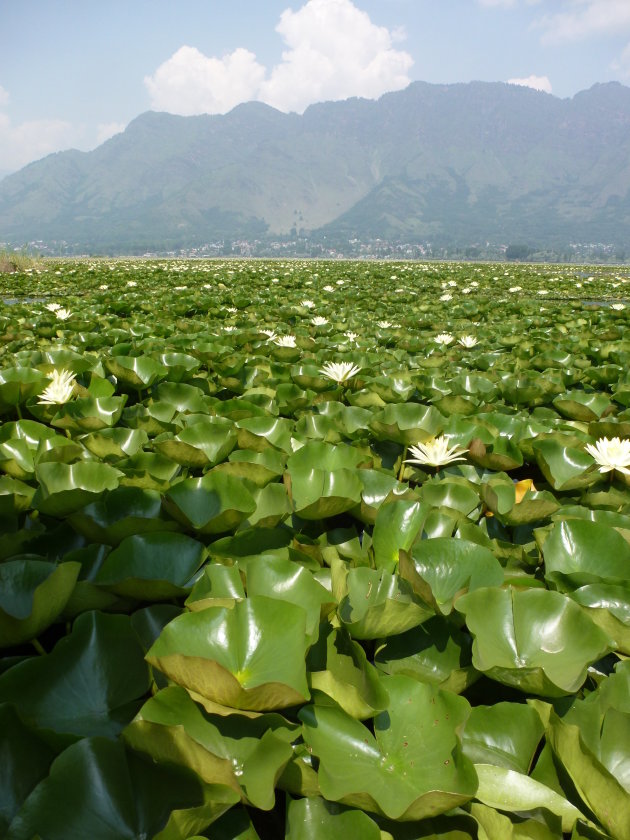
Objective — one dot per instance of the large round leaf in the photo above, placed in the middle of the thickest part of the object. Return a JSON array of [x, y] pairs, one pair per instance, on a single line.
[[442, 569], [213, 504], [64, 488], [121, 513], [242, 753], [339, 669], [97, 788], [90, 684], [201, 444], [410, 768], [242, 657], [25, 762], [33, 593], [375, 602], [313, 818], [436, 652], [578, 552], [534, 640], [151, 567], [505, 735], [291, 583], [320, 493]]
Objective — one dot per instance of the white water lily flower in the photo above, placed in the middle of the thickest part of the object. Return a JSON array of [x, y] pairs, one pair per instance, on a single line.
[[103, 286], [131, 283], [383, 324], [351, 336], [285, 341], [435, 453], [53, 307], [340, 371], [444, 339], [446, 297], [269, 333], [329, 288], [307, 304], [617, 306], [611, 454], [229, 329], [468, 341], [515, 289], [319, 321], [231, 309], [63, 314], [59, 390]]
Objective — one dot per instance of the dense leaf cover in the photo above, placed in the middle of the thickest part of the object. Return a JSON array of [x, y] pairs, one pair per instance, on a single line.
[[233, 606]]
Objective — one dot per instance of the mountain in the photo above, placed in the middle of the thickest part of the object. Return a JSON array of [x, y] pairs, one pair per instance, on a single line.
[[458, 163]]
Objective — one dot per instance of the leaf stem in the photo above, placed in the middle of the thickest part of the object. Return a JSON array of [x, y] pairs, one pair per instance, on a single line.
[[402, 464], [38, 647]]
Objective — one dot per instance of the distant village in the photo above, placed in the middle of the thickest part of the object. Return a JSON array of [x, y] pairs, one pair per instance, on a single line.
[[337, 249]]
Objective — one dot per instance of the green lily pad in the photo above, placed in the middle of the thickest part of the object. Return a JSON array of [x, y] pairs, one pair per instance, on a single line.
[[338, 668], [436, 653], [151, 567], [97, 788], [64, 488], [441, 569], [375, 602], [578, 552], [241, 753], [240, 657], [120, 513], [410, 768], [92, 683], [33, 593], [534, 640], [213, 504]]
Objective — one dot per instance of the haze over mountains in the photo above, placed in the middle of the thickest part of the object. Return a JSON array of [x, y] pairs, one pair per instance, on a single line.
[[459, 163]]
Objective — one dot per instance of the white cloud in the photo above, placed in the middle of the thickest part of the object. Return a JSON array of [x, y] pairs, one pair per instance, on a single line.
[[536, 82], [4, 97], [334, 51], [106, 130], [191, 83], [24, 142], [584, 19]]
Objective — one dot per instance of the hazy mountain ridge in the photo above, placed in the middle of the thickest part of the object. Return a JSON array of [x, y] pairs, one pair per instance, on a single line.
[[465, 162]]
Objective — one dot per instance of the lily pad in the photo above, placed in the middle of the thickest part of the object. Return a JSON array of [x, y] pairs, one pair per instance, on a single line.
[[240, 657], [410, 768]]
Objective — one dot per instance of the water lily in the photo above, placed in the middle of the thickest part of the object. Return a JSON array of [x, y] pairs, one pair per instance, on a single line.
[[60, 388], [269, 333], [435, 453], [468, 341], [447, 296], [340, 371], [53, 307], [63, 314], [611, 454], [617, 306], [444, 339], [351, 336], [307, 304], [383, 324], [329, 288], [319, 321], [285, 341]]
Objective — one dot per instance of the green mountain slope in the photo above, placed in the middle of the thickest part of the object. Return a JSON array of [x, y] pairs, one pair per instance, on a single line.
[[461, 163]]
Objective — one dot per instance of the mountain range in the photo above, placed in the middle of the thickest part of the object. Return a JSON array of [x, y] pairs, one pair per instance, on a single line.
[[460, 163]]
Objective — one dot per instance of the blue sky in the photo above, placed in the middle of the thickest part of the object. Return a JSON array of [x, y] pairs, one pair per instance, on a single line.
[[74, 72]]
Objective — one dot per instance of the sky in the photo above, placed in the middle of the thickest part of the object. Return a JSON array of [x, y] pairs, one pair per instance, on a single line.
[[75, 72]]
